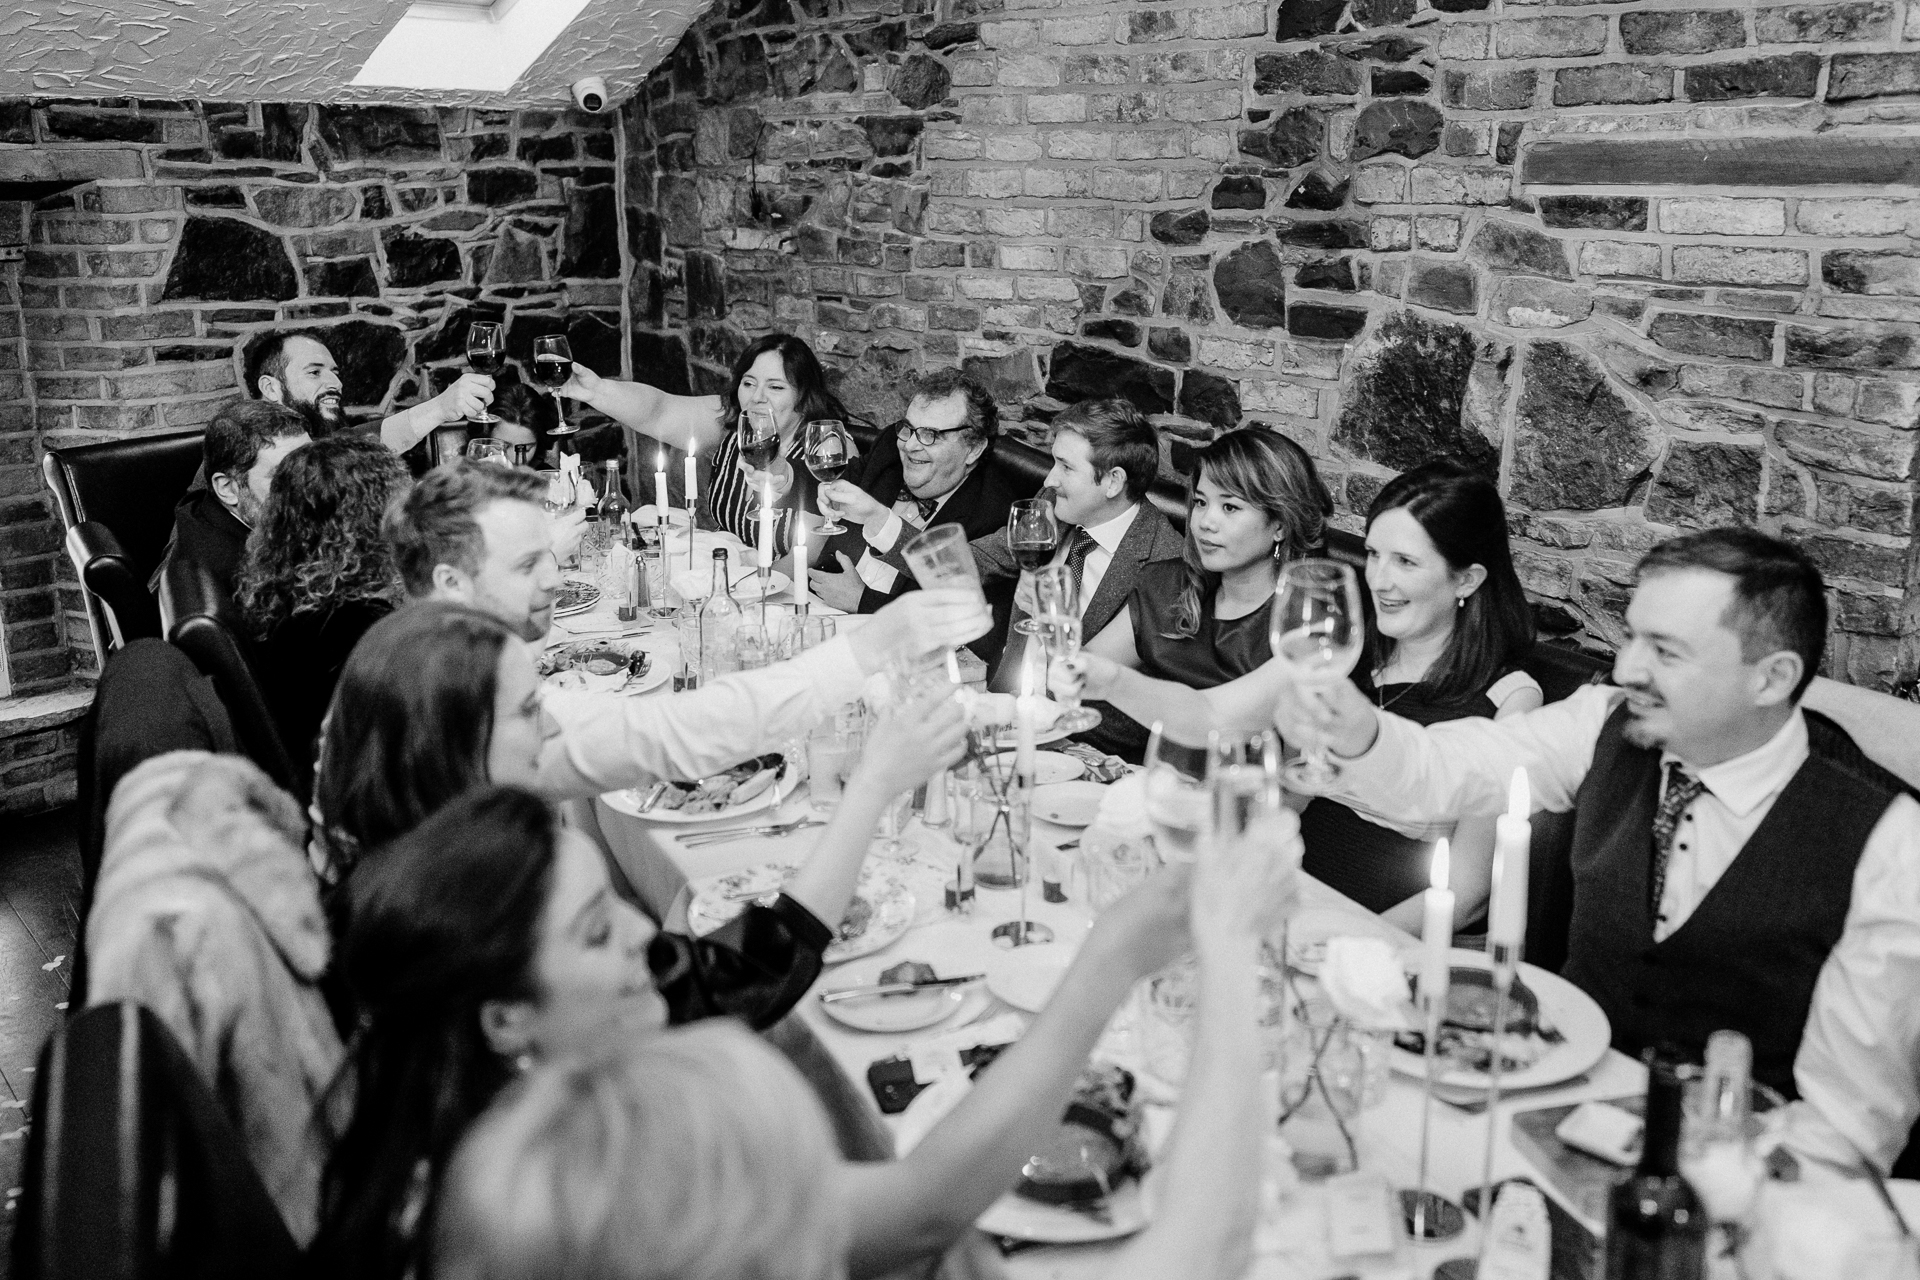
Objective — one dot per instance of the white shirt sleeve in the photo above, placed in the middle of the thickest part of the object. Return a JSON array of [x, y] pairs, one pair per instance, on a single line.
[[1416, 779], [1858, 1069], [623, 742], [1508, 685], [887, 536]]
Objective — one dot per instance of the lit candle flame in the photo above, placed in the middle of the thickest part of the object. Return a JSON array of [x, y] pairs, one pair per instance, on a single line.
[[1519, 797], [1441, 864]]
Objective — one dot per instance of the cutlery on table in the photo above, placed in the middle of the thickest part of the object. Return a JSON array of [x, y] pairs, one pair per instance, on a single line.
[[652, 797], [897, 988], [700, 839]]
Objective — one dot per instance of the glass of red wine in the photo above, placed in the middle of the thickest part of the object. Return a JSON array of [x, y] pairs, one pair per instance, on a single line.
[[829, 453], [552, 367], [759, 437], [1032, 535], [486, 353]]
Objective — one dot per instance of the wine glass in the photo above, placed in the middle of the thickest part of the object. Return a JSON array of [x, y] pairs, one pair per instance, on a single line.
[[1056, 619], [1032, 535], [829, 454], [1317, 629], [942, 557], [552, 367], [759, 437], [486, 353], [561, 492], [1176, 795], [1243, 779], [494, 451]]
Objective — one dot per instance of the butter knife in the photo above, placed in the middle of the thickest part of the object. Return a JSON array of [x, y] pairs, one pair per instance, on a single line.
[[897, 988]]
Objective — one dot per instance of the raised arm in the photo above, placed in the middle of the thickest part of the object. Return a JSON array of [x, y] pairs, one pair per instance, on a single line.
[[911, 1208], [469, 396], [637, 406], [1188, 713]]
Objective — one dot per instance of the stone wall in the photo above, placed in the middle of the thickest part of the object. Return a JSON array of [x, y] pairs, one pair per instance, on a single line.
[[188, 228], [1652, 264]]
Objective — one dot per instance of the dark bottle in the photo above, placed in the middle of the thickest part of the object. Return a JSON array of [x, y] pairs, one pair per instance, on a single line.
[[1656, 1225]]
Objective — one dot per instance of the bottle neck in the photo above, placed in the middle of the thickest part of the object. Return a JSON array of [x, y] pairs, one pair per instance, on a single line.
[[1660, 1149]]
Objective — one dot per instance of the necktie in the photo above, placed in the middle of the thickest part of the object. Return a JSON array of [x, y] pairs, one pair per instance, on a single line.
[[1079, 546], [927, 507], [1682, 789]]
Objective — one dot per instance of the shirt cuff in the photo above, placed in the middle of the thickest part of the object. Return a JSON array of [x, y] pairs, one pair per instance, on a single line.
[[877, 573], [887, 536]]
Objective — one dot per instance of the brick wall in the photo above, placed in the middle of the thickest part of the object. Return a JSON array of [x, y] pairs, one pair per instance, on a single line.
[[1652, 264], [194, 226]]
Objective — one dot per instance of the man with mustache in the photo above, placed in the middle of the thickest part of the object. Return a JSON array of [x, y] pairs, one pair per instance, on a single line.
[[1737, 861], [297, 370]]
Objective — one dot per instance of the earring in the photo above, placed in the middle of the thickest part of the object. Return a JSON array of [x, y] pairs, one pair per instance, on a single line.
[[1459, 602], [523, 1063]]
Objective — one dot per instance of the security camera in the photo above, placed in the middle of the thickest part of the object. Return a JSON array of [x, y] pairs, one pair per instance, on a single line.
[[590, 94]]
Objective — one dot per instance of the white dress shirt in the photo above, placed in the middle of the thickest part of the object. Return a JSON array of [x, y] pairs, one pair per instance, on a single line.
[[625, 742], [1106, 540], [1858, 1069]]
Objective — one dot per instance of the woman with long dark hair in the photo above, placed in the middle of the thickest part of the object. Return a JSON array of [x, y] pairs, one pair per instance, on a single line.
[[777, 373], [1256, 502], [1451, 626], [317, 574], [488, 940]]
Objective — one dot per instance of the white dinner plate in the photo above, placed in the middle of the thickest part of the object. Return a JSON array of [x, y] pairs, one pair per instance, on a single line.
[[658, 671], [1309, 929], [890, 905], [1581, 1022], [775, 583], [1068, 804], [892, 1014], [1019, 1218], [1025, 977], [1049, 767], [576, 596], [1007, 737], [628, 802]]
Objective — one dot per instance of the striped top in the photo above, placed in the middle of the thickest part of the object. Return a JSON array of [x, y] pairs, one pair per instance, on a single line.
[[735, 509]]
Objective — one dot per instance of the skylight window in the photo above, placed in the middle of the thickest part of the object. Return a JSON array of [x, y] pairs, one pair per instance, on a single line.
[[479, 45]]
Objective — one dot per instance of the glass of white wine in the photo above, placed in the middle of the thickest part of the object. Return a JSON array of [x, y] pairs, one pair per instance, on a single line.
[[1176, 795], [1318, 630], [1243, 779]]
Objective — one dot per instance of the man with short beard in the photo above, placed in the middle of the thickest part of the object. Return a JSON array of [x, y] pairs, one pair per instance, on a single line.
[[1737, 862], [244, 443], [297, 370]]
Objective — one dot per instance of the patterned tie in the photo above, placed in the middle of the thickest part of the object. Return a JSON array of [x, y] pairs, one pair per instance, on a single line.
[[1682, 789], [927, 507], [1080, 545]]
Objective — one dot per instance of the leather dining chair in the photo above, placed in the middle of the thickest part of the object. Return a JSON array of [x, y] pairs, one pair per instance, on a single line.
[[116, 503], [133, 1172], [200, 621]]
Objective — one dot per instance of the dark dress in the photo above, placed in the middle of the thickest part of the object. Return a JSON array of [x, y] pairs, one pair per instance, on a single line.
[[207, 533], [735, 510], [1220, 651], [299, 661], [1376, 867]]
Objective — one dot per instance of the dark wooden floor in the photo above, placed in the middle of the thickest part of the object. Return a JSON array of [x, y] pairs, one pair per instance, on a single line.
[[39, 920]]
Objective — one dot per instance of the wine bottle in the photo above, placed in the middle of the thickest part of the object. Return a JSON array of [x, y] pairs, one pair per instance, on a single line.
[[1656, 1225], [719, 622], [614, 507]]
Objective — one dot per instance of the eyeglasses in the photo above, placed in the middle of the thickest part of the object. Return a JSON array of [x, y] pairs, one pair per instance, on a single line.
[[925, 437]]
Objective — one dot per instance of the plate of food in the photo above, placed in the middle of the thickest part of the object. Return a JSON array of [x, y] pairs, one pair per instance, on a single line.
[[576, 596], [1554, 1030], [995, 712], [881, 910], [749, 787], [1049, 767], [1081, 1180], [902, 1011], [600, 666]]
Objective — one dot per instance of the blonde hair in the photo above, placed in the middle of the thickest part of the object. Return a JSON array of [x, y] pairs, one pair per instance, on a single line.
[[698, 1154]]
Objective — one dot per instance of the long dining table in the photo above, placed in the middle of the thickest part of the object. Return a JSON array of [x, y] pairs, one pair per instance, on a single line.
[[1292, 1238]]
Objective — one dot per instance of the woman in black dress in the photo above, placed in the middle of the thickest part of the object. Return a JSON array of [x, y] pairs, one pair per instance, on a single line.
[[777, 373], [1451, 625]]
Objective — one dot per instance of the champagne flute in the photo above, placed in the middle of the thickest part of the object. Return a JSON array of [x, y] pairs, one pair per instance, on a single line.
[[1057, 626], [1243, 779], [1176, 795], [1032, 535], [1318, 630], [829, 454], [552, 367], [486, 353]]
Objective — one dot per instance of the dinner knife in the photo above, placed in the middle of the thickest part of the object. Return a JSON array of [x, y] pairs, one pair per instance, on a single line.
[[897, 988]]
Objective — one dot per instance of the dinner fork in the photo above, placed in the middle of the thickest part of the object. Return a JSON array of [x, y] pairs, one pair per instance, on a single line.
[[701, 838]]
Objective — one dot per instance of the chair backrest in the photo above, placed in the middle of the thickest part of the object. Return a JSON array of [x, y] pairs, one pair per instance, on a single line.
[[201, 623], [132, 1170]]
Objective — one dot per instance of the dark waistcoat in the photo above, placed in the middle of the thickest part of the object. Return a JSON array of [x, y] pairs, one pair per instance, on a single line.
[[1748, 956]]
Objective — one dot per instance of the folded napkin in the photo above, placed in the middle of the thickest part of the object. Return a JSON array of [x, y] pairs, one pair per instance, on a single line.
[[1101, 767]]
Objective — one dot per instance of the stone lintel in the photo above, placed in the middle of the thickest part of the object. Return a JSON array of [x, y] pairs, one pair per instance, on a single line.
[[1726, 162]]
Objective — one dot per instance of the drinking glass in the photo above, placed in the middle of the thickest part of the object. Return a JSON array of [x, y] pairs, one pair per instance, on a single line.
[[1329, 1072], [830, 452], [1243, 779], [807, 631], [753, 648], [486, 353], [1318, 630], [561, 492], [759, 437], [1032, 535], [1177, 800], [941, 557], [552, 367], [1057, 624], [833, 750], [494, 451]]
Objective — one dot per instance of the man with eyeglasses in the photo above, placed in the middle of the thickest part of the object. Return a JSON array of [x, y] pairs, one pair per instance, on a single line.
[[935, 467]]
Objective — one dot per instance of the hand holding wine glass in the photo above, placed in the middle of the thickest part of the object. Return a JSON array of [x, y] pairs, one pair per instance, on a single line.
[[1032, 536], [553, 369], [486, 353], [1318, 631], [829, 453]]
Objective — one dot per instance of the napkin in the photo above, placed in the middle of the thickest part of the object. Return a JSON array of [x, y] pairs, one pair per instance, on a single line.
[[1364, 979], [1101, 767], [692, 585]]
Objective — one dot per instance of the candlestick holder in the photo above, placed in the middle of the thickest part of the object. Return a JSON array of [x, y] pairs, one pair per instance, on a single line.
[[1505, 960], [1428, 1216]]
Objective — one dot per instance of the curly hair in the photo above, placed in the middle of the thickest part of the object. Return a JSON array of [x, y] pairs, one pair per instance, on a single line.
[[318, 544]]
